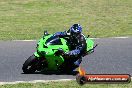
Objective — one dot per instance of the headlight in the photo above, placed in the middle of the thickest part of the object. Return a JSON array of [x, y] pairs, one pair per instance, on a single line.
[[37, 45], [45, 46]]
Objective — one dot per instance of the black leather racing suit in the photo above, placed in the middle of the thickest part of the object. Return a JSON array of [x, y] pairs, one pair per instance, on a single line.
[[77, 47]]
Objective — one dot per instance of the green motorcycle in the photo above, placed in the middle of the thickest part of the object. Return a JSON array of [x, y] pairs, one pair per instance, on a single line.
[[45, 57]]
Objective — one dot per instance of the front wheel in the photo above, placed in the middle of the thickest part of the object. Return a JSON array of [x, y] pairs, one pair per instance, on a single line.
[[30, 65]]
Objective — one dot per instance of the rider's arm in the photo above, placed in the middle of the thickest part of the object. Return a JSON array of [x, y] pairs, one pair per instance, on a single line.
[[62, 34]]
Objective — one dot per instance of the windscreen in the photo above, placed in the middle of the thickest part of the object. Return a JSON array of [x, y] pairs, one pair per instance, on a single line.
[[53, 40]]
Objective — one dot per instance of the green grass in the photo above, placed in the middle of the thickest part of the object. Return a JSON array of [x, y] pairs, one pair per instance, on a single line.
[[68, 84], [26, 19]]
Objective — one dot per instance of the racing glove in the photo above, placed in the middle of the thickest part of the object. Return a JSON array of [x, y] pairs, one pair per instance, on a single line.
[[59, 52], [72, 55], [62, 53]]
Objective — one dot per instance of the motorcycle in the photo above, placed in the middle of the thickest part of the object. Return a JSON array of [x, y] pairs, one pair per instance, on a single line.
[[45, 57]]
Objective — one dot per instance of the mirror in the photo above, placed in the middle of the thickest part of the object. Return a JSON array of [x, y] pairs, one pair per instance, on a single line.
[[45, 32], [88, 36]]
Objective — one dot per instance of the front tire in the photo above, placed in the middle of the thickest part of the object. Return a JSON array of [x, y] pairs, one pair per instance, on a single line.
[[30, 65]]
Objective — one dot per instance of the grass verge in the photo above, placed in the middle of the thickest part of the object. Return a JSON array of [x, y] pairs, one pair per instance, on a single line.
[[66, 84], [26, 19]]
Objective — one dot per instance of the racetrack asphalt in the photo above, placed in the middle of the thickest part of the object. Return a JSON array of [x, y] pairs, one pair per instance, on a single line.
[[112, 56]]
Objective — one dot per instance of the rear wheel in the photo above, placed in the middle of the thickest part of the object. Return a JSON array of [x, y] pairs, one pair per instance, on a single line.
[[30, 65]]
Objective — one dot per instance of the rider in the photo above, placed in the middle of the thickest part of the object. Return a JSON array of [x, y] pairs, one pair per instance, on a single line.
[[77, 44]]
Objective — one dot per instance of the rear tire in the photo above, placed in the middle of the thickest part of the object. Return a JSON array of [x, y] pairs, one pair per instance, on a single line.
[[30, 65]]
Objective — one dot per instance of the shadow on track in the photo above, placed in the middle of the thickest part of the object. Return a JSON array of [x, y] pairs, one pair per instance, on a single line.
[[54, 73]]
